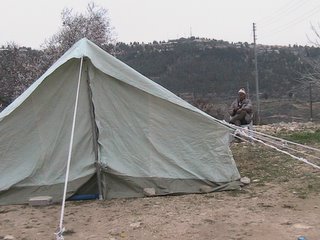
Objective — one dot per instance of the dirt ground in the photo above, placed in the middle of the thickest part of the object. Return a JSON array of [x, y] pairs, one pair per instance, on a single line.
[[282, 202]]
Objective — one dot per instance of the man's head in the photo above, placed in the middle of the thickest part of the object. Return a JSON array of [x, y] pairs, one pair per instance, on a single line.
[[242, 94]]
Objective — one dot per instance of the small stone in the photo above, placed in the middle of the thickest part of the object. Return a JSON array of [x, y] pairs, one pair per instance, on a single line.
[[149, 192], [245, 180], [287, 223], [123, 235]]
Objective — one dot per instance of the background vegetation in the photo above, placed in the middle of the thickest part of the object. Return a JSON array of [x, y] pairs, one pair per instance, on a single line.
[[205, 72]]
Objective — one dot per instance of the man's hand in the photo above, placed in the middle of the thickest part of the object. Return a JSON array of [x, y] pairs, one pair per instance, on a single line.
[[239, 110]]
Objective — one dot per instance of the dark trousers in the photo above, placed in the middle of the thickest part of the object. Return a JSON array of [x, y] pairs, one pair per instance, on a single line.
[[239, 118]]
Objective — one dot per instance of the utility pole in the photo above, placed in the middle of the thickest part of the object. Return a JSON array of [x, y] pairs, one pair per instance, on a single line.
[[256, 72]]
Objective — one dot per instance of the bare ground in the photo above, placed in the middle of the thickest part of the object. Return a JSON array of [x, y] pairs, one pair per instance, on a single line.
[[282, 202]]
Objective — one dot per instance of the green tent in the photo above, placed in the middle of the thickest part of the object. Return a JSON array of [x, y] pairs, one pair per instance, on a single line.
[[130, 135]]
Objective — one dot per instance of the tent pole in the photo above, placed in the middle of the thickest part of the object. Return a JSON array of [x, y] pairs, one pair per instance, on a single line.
[[95, 134], [59, 234]]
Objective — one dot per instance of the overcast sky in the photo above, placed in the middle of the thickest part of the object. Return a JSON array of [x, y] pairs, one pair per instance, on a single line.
[[279, 22]]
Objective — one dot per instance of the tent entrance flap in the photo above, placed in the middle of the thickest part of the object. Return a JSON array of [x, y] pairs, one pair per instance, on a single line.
[[95, 133]]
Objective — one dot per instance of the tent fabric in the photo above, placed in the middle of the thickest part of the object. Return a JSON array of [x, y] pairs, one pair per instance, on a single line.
[[146, 135]]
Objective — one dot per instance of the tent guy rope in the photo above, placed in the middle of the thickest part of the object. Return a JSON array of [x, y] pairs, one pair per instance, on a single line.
[[59, 233], [272, 142]]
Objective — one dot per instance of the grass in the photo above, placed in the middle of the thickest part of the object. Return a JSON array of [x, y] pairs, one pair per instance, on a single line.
[[264, 165], [303, 137]]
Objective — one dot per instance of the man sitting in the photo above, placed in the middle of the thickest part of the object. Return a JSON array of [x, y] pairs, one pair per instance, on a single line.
[[241, 109]]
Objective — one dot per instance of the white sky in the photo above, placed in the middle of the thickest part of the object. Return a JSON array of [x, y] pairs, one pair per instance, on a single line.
[[279, 22]]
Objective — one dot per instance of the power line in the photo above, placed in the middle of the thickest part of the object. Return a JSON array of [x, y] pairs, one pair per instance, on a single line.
[[269, 26], [303, 15], [292, 23], [288, 7]]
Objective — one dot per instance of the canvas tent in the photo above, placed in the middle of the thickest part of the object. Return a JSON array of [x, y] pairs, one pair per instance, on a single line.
[[136, 133]]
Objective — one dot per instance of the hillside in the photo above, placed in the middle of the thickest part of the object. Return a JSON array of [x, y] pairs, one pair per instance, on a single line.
[[205, 72], [208, 73], [212, 68]]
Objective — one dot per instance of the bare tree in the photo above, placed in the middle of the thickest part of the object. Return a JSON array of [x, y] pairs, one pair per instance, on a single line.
[[19, 67], [94, 24], [312, 76], [317, 35]]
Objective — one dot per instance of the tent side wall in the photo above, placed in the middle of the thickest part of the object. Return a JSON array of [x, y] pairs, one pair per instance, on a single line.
[[148, 142], [35, 137]]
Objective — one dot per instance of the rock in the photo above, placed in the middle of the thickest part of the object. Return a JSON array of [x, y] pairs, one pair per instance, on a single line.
[[149, 192], [205, 189], [8, 237], [245, 180], [135, 225], [40, 201], [301, 226]]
